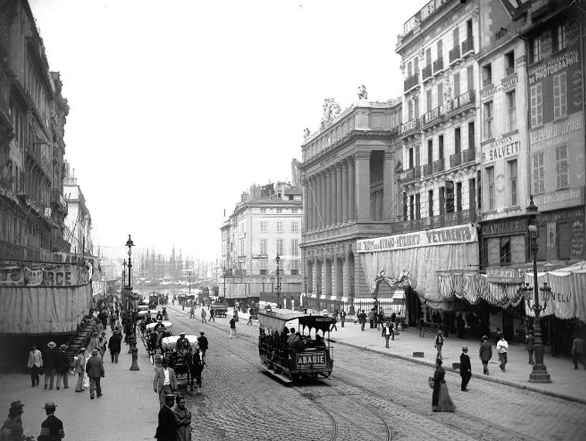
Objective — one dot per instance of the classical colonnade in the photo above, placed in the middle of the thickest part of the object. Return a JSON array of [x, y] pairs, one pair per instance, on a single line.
[[331, 271]]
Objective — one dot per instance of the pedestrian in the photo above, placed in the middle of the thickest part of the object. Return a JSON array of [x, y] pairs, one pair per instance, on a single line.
[[35, 363], [50, 364], [502, 347], [372, 318], [530, 345], [334, 324], [12, 427], [342, 318], [52, 427], [95, 371], [578, 351], [440, 400], [62, 367], [165, 381], [421, 326], [102, 344], [388, 331], [202, 341], [439, 343], [115, 345], [192, 312], [461, 325], [465, 368], [233, 327], [113, 320], [485, 353], [79, 369], [182, 418], [362, 316], [212, 315], [249, 318], [93, 344], [203, 315], [167, 428]]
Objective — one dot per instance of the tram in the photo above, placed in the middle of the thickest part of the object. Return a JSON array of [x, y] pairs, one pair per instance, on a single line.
[[305, 354]]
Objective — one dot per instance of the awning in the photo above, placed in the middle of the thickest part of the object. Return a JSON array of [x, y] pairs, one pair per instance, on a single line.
[[421, 256], [567, 298]]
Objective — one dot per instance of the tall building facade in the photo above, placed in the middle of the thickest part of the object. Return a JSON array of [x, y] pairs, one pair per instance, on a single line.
[[32, 119], [79, 221], [265, 224], [349, 193]]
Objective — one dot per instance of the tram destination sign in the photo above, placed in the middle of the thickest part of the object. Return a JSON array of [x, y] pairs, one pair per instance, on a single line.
[[307, 360]]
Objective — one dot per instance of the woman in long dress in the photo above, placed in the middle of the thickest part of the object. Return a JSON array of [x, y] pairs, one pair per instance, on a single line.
[[183, 419], [441, 401]]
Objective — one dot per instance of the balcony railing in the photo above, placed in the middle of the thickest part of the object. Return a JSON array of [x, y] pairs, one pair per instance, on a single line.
[[410, 127], [438, 166], [411, 82], [411, 174], [444, 220], [468, 155], [462, 101], [427, 169], [510, 70], [426, 72], [467, 46], [438, 65], [454, 54], [455, 159]]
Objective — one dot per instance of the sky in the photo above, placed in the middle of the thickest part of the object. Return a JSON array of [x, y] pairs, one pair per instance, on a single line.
[[177, 107]]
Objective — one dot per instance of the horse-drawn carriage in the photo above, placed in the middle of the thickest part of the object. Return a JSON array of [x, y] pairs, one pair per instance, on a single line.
[[187, 364], [219, 310], [305, 355], [153, 335]]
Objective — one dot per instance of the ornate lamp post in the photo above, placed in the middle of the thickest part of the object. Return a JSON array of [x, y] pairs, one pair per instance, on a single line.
[[279, 302], [224, 284], [130, 310], [124, 274], [129, 244], [539, 373]]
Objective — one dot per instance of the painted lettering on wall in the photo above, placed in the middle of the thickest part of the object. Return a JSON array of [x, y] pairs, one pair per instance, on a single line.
[[554, 66]]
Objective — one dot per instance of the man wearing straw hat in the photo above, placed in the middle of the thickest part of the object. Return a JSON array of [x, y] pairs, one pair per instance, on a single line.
[[52, 427], [50, 364]]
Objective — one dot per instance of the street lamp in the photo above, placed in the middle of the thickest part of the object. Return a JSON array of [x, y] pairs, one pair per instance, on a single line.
[[539, 373], [279, 304], [224, 284], [129, 244], [124, 274], [131, 301]]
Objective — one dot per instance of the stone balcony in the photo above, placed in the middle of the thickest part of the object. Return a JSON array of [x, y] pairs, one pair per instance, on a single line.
[[426, 223]]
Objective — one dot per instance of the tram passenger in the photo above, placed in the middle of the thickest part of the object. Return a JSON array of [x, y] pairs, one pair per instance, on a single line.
[[296, 341], [291, 336], [319, 341]]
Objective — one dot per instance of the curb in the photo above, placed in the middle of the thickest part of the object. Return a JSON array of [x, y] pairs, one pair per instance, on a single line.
[[449, 369]]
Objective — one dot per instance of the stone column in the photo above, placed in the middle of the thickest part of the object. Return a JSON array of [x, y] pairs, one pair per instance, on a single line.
[[388, 186], [312, 196], [345, 201], [328, 198], [363, 185], [333, 197], [306, 205], [323, 200], [351, 190], [339, 219]]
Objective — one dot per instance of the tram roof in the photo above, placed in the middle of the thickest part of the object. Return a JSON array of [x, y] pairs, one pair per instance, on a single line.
[[277, 317]]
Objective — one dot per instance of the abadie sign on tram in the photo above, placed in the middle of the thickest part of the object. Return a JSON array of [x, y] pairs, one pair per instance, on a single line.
[[439, 236]]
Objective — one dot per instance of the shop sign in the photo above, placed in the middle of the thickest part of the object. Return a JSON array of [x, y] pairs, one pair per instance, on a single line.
[[260, 256], [504, 228], [502, 148], [559, 199], [440, 236], [505, 275], [311, 360], [505, 85], [552, 67], [555, 134]]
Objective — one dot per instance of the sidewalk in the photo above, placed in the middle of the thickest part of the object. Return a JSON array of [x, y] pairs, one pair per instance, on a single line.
[[566, 383], [128, 409]]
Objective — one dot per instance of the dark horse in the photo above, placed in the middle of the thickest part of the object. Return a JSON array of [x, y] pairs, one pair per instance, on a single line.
[[196, 364]]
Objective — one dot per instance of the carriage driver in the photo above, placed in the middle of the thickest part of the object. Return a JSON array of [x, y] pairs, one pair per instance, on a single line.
[[183, 346]]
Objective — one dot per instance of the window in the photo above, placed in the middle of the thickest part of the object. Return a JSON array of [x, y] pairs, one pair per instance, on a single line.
[[471, 136], [456, 37], [509, 63], [505, 250], [440, 53], [487, 74], [560, 96], [428, 100], [470, 77], [561, 166], [457, 140], [416, 103], [409, 69], [441, 147], [511, 109], [490, 187], [411, 207], [294, 210], [263, 210], [564, 239], [559, 38], [536, 50], [279, 227], [536, 105], [410, 111], [263, 246], [512, 165], [488, 120], [442, 200], [428, 57], [295, 247], [440, 94], [430, 202], [458, 196], [411, 165], [538, 173], [429, 151], [295, 227], [263, 226], [456, 85], [417, 206], [280, 246]]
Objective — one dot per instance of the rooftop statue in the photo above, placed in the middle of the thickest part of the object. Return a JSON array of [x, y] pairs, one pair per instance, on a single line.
[[362, 93], [331, 110]]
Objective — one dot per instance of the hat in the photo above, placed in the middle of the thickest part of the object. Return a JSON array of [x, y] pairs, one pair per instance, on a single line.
[[464, 348], [169, 397], [51, 344], [94, 352], [202, 333], [82, 349], [15, 408], [63, 346], [103, 332], [182, 333], [484, 337], [49, 405]]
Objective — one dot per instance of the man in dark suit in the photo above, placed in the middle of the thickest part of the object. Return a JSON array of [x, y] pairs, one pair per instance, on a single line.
[[167, 428], [485, 353], [95, 371], [465, 368], [52, 427]]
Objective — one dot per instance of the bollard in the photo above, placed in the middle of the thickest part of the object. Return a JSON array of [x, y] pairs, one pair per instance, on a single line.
[[134, 366]]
